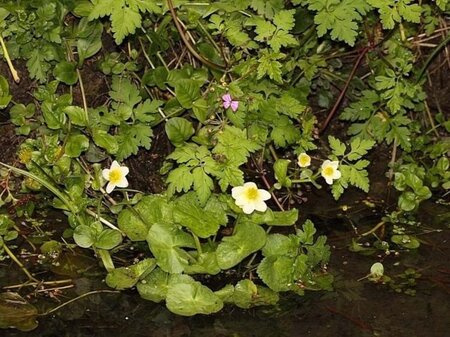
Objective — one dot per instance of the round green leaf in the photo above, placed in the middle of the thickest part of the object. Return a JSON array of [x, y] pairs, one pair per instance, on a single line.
[[66, 72]]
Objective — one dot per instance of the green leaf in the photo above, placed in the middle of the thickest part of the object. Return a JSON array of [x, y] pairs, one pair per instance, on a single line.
[[359, 148], [66, 72], [131, 137], [337, 147], [187, 91], [84, 236], [105, 140], [279, 244], [165, 242], [247, 294], [284, 19], [202, 221], [89, 40], [203, 184], [339, 17], [187, 297], [179, 130], [277, 272], [234, 145], [17, 313], [76, 144], [76, 115], [280, 168], [269, 65], [247, 239], [5, 97], [127, 277], [306, 234], [19, 113], [108, 239], [150, 210], [154, 286]]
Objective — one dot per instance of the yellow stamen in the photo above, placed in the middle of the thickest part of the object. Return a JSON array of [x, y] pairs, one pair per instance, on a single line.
[[251, 193], [115, 176], [328, 171]]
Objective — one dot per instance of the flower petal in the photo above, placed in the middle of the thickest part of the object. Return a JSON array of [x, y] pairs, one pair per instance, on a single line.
[[248, 208], [336, 174], [122, 183], [110, 187], [124, 170], [329, 180], [250, 185], [105, 173], [237, 191], [234, 105], [226, 98], [265, 195], [226, 105], [260, 206], [115, 164]]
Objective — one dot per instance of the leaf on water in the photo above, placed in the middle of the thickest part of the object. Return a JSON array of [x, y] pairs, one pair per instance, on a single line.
[[188, 297], [16, 312]]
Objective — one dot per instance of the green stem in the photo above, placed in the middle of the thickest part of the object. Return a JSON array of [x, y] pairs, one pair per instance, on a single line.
[[106, 259], [197, 243], [21, 266]]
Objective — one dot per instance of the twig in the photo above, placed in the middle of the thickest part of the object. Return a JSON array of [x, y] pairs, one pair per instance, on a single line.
[[13, 70], [188, 44], [344, 90]]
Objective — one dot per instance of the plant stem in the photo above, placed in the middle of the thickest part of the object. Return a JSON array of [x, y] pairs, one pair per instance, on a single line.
[[76, 299], [198, 245], [21, 266], [13, 70], [103, 221], [106, 259]]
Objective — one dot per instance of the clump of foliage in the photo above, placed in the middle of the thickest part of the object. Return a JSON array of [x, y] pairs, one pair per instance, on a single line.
[[238, 85]]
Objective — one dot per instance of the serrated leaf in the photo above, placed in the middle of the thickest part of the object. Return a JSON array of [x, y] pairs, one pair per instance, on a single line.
[[127, 277], [179, 130], [202, 221], [337, 146]]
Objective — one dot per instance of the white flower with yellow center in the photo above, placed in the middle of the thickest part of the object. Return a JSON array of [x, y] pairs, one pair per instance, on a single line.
[[330, 171], [116, 176], [250, 198], [303, 160]]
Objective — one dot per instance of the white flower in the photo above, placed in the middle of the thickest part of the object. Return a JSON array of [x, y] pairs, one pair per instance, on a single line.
[[250, 198], [330, 171], [303, 160], [376, 271], [116, 176]]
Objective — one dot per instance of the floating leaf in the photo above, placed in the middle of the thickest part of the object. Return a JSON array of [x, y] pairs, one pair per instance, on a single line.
[[248, 238], [188, 297], [127, 277], [16, 312]]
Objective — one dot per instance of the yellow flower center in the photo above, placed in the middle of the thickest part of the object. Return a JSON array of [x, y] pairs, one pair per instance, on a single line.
[[25, 156], [328, 171], [251, 193], [115, 176]]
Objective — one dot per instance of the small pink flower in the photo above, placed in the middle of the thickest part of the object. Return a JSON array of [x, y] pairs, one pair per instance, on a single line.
[[228, 102]]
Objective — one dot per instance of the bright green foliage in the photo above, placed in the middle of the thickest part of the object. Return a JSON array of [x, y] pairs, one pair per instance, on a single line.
[[352, 167], [125, 15], [289, 261], [187, 297], [127, 277], [248, 238], [392, 12], [341, 17]]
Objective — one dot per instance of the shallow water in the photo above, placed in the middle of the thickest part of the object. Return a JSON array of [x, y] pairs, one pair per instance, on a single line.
[[354, 309]]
